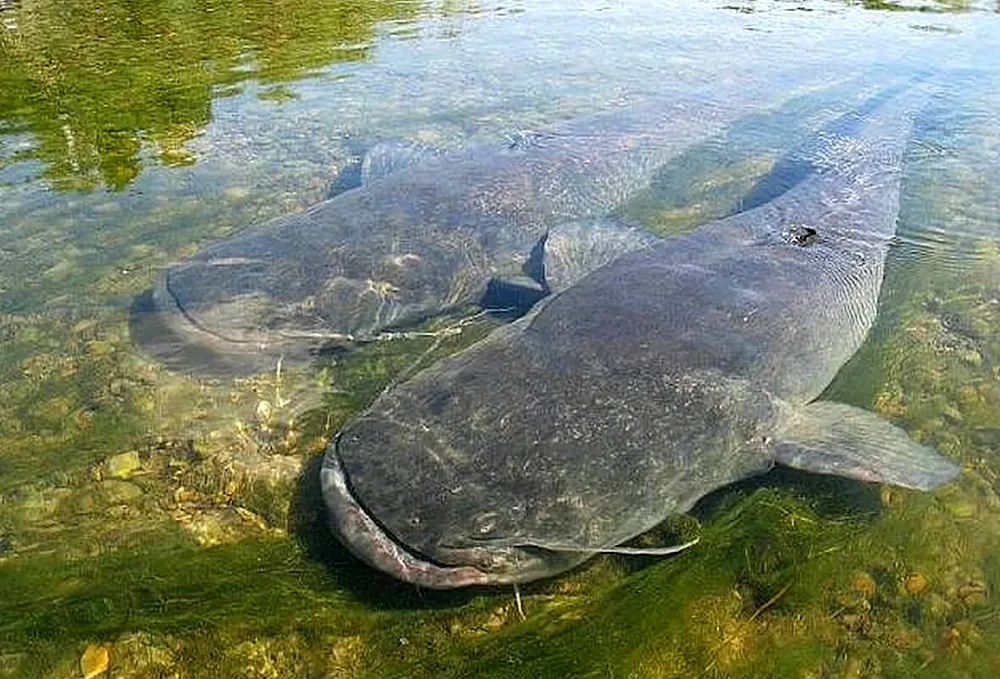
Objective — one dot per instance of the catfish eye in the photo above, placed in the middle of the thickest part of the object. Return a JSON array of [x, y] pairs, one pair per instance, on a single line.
[[801, 235], [405, 260], [484, 524]]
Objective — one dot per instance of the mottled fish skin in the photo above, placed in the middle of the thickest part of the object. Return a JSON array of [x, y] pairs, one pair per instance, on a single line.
[[652, 381], [413, 243]]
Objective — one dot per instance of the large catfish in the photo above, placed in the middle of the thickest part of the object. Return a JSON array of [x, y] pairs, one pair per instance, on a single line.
[[670, 372], [425, 232]]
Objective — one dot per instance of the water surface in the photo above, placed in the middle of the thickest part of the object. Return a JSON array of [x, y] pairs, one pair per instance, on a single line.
[[172, 521]]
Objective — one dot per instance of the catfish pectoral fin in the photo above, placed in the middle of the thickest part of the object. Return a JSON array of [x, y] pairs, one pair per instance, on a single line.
[[834, 438]]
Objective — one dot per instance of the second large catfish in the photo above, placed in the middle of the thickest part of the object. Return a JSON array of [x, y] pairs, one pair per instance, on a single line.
[[656, 379]]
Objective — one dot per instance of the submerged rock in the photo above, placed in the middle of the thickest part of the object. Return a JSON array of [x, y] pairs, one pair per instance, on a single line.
[[114, 492], [95, 660], [123, 465], [915, 584], [141, 654], [249, 477], [221, 525]]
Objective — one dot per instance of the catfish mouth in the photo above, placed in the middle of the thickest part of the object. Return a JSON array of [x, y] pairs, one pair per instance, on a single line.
[[367, 540], [161, 327]]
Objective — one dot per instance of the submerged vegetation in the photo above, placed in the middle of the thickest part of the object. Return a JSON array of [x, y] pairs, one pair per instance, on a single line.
[[158, 525]]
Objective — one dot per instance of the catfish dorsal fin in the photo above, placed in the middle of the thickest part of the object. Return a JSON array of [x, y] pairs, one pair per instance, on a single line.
[[571, 250], [834, 438], [388, 157]]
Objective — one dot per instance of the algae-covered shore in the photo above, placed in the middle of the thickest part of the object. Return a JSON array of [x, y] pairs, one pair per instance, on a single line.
[[155, 524]]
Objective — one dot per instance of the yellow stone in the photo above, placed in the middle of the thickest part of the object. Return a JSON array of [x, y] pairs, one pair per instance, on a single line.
[[915, 584], [972, 593], [865, 584], [98, 348], [94, 660], [183, 494], [123, 465]]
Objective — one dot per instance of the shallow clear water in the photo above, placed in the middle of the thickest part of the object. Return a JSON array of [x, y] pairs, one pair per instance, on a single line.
[[168, 524]]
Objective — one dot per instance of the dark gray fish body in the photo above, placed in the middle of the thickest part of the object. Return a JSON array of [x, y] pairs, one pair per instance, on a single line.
[[415, 240], [668, 373]]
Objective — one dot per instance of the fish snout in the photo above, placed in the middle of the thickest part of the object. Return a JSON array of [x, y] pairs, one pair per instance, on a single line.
[[198, 334], [364, 535], [410, 504], [225, 315]]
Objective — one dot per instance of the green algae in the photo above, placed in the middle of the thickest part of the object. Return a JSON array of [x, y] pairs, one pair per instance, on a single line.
[[785, 579], [161, 588]]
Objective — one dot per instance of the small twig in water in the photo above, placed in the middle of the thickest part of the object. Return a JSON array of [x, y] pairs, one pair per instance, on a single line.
[[281, 403], [517, 600], [770, 602], [438, 335], [760, 609]]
